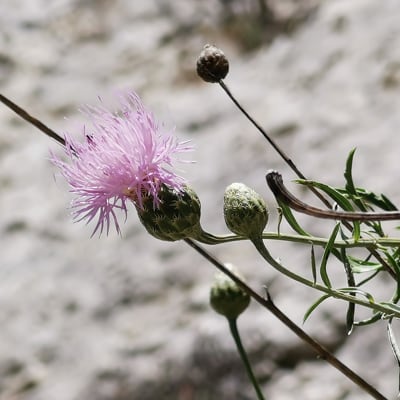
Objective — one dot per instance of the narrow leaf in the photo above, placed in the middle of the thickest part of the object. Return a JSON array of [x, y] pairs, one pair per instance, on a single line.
[[313, 265], [350, 187], [335, 194], [394, 307], [356, 230], [314, 306], [327, 251], [396, 268], [355, 290], [351, 282], [359, 266], [348, 173], [388, 204], [376, 317], [380, 201], [395, 347], [291, 220]]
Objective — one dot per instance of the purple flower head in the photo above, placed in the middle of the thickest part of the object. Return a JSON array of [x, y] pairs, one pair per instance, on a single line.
[[124, 156]]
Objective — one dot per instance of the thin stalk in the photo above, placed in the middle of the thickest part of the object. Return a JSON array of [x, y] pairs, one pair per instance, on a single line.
[[32, 120], [243, 356], [209, 238], [270, 306], [276, 147], [259, 244]]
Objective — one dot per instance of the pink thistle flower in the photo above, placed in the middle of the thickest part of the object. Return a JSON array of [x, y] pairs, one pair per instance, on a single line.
[[125, 156]]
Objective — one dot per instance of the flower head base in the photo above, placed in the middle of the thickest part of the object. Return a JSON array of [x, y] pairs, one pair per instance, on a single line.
[[124, 156], [176, 217]]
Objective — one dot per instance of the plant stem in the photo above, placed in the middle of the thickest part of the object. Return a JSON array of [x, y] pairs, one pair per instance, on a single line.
[[276, 147], [243, 355], [259, 244], [208, 238], [270, 306], [32, 120]]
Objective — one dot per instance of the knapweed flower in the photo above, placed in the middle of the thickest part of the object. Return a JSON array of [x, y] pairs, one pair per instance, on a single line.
[[123, 157]]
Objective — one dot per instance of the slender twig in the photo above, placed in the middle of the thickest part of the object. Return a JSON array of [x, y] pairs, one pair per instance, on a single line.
[[35, 122], [270, 306], [243, 355], [276, 147]]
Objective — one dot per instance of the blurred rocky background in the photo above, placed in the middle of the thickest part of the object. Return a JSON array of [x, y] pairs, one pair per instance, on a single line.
[[127, 317]]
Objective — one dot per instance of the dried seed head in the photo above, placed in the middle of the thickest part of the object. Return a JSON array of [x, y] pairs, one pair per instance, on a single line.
[[212, 65]]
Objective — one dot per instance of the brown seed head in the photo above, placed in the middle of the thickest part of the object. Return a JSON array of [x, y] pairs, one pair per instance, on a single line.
[[212, 65]]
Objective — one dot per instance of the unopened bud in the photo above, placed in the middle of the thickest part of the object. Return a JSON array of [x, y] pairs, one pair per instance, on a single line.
[[176, 217], [212, 65], [226, 297], [245, 211]]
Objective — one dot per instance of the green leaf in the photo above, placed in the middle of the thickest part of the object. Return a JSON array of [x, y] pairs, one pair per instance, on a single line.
[[354, 290], [356, 230], [340, 199], [394, 307], [332, 192], [394, 345], [351, 282], [368, 278], [348, 173], [327, 251], [313, 265], [350, 317], [314, 306], [350, 187], [380, 201], [395, 266], [359, 266], [368, 321], [388, 204], [291, 220]]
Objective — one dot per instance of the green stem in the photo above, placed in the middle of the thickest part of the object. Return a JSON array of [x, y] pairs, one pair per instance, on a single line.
[[259, 244], [243, 355], [209, 238]]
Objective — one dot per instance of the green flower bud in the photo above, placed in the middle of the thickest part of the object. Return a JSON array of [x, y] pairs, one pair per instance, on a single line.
[[177, 216], [226, 297], [245, 211]]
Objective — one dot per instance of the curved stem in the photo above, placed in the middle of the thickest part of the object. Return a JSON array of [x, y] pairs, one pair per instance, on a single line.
[[275, 183], [258, 243], [243, 355], [270, 306]]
